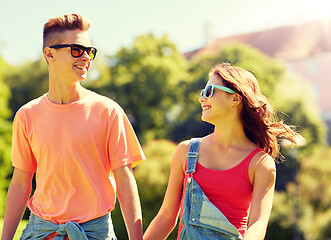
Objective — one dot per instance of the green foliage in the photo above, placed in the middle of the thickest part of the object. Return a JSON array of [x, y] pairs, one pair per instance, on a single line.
[[304, 208], [5, 164], [19, 231], [4, 91], [268, 71], [5, 136], [143, 80], [299, 105], [282, 220], [152, 179], [313, 190], [27, 82], [152, 176]]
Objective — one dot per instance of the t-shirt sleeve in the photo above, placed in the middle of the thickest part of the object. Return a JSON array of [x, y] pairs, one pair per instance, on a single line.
[[123, 145], [22, 156]]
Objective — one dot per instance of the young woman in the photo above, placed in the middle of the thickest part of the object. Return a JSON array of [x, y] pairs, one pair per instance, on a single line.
[[224, 187]]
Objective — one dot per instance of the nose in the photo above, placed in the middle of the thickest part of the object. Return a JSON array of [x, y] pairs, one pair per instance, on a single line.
[[202, 99], [86, 56]]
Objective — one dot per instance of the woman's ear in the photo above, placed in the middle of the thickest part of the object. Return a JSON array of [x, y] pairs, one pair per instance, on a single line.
[[236, 99]]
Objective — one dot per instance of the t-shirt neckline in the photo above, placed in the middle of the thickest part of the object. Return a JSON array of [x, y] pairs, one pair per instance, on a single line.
[[67, 105]]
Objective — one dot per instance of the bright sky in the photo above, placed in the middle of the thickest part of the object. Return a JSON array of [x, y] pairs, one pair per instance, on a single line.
[[118, 23]]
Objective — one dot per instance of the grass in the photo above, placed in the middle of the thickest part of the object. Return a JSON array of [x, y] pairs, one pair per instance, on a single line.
[[20, 228]]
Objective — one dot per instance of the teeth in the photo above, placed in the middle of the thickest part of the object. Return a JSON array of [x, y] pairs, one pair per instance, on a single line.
[[81, 67]]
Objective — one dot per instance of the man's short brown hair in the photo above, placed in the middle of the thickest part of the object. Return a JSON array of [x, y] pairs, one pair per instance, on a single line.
[[54, 27]]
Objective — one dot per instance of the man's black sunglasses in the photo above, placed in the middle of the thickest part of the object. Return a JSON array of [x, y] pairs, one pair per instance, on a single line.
[[78, 50]]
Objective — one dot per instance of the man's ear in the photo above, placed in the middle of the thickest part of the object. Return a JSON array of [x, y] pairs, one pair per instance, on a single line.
[[48, 53], [236, 99]]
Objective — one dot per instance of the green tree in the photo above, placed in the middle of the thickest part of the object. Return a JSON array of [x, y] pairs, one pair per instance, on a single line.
[[144, 79], [312, 189], [304, 209], [295, 99], [152, 178], [27, 81], [30, 80], [5, 136], [4, 91]]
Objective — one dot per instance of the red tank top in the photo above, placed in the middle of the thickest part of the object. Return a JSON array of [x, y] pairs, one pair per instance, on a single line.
[[229, 190]]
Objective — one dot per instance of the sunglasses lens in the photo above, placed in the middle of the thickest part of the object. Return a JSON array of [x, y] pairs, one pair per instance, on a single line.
[[209, 91], [77, 51], [91, 52]]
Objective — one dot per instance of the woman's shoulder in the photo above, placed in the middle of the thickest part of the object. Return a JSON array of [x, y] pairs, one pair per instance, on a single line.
[[263, 162], [183, 147], [180, 155]]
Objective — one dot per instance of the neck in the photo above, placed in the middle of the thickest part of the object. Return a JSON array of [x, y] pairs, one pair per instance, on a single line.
[[230, 135], [61, 94]]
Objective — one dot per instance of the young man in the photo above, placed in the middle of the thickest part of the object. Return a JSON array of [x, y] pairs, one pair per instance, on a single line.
[[80, 145]]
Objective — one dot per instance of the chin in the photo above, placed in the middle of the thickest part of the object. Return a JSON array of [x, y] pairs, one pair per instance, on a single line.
[[207, 119], [204, 119], [82, 77]]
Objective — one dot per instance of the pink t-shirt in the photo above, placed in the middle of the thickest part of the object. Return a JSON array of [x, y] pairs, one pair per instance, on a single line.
[[229, 190], [73, 148]]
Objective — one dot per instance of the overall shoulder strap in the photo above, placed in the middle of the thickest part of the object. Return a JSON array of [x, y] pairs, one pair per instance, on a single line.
[[192, 155]]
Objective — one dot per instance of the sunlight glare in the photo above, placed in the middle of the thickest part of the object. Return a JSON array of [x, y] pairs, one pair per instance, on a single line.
[[312, 9]]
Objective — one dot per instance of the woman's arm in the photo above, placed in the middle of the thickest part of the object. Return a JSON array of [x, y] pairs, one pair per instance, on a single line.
[[166, 219], [263, 177]]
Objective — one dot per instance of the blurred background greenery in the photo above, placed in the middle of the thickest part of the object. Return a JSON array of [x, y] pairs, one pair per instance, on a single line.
[[159, 89]]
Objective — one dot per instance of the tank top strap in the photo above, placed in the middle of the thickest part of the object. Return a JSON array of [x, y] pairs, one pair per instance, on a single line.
[[192, 155], [252, 154], [247, 160]]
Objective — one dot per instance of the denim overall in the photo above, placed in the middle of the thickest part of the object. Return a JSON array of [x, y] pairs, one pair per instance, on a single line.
[[201, 219], [97, 229]]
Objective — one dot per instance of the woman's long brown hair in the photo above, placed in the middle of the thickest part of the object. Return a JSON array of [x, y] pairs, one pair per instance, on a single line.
[[257, 115]]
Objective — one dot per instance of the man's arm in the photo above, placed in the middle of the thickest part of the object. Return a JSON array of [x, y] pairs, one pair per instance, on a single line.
[[17, 198], [127, 194]]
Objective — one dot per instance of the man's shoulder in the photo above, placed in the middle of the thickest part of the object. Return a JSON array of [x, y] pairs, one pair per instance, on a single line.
[[33, 103], [31, 107], [103, 101]]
